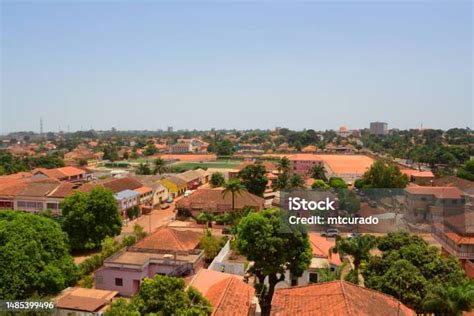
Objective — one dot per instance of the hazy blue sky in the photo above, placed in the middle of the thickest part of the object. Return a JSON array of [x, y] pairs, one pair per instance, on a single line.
[[235, 65]]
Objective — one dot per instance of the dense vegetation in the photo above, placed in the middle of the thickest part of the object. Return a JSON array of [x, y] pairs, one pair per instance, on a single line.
[[35, 258], [10, 164], [274, 248], [90, 217], [418, 275], [162, 295]]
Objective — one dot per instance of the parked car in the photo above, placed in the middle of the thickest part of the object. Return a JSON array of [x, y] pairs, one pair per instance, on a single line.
[[164, 206], [352, 235], [331, 232], [372, 203]]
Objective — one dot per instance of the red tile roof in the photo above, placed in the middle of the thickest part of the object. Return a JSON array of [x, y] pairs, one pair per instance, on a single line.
[[82, 299], [116, 185], [143, 190], [438, 192], [63, 190], [227, 293], [59, 173], [322, 246], [338, 298], [210, 199], [170, 239], [460, 239]]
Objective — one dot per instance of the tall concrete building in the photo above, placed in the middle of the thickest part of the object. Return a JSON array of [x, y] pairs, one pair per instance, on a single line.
[[378, 128]]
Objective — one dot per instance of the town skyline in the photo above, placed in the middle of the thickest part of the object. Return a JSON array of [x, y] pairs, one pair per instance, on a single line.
[[164, 129]]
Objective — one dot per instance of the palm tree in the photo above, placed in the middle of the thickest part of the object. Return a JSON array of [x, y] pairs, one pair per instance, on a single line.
[[358, 247], [297, 182], [233, 186], [282, 182], [143, 169], [318, 172], [450, 300], [283, 165], [160, 166]]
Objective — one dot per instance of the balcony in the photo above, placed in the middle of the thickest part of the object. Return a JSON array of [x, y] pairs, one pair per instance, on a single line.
[[450, 246]]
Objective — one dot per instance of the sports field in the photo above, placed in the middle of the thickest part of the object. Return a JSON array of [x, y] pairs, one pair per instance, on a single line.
[[220, 164]]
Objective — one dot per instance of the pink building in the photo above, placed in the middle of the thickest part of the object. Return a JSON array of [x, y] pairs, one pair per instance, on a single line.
[[303, 166], [167, 251]]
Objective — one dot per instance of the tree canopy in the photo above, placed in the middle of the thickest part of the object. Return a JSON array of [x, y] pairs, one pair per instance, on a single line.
[[217, 180], [383, 174], [254, 179], [266, 239], [162, 295], [319, 185], [411, 270], [466, 171], [90, 217], [337, 183], [34, 253]]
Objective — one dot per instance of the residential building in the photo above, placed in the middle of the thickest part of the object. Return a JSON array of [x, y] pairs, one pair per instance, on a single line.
[[213, 200], [419, 177], [432, 204], [128, 192], [339, 298], [344, 132], [346, 166], [227, 293], [167, 251], [176, 186], [378, 128], [127, 199], [83, 302], [194, 178], [160, 192], [322, 259], [181, 148], [146, 195], [69, 173], [82, 155]]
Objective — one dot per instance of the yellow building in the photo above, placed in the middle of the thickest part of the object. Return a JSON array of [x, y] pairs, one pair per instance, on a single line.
[[175, 186]]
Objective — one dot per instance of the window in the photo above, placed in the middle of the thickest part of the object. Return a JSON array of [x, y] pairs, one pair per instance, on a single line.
[[118, 281], [52, 206], [313, 278]]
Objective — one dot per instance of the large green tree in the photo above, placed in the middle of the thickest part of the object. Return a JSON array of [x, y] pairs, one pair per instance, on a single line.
[[163, 295], [410, 270], [383, 174], [217, 180], [90, 217], [452, 300], [254, 178], [274, 247], [34, 256], [466, 171]]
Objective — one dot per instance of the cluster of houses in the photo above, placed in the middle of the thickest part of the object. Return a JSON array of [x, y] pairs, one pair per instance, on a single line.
[[175, 251], [45, 189], [445, 205]]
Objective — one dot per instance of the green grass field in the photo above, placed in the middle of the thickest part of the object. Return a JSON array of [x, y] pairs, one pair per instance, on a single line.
[[185, 165]]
